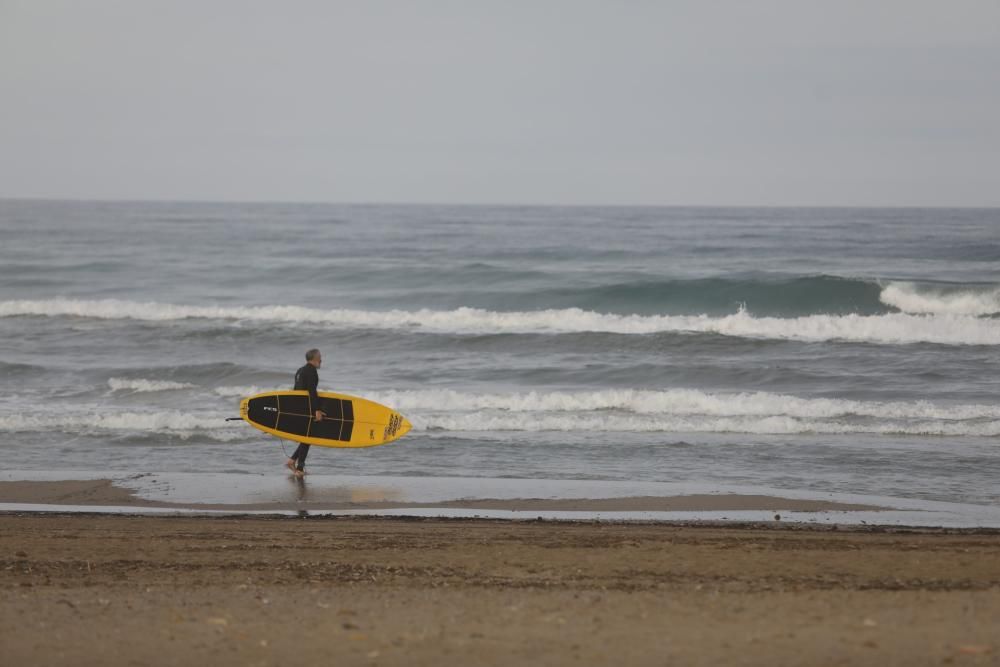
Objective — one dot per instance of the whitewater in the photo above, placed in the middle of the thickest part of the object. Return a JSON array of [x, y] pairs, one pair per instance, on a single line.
[[894, 328], [610, 410]]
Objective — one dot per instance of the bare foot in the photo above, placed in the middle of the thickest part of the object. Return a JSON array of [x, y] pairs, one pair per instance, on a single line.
[[290, 464], [299, 473]]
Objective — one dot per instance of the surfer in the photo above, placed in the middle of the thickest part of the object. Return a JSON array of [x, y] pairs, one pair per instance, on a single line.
[[307, 378]]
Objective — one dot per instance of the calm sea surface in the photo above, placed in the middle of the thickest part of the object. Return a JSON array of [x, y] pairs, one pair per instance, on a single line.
[[828, 350]]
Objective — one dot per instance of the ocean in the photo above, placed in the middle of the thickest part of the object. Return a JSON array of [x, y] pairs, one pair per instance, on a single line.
[[817, 351]]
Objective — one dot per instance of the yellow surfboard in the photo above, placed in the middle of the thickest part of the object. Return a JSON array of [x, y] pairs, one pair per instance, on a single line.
[[350, 421]]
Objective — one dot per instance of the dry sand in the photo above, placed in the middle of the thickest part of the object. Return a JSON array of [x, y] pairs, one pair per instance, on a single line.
[[89, 589]]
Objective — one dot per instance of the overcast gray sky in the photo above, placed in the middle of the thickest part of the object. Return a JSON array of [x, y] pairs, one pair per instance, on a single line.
[[743, 102]]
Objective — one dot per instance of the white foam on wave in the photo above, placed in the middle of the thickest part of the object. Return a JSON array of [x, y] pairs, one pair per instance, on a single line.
[[141, 386], [241, 392], [685, 410], [895, 328], [678, 410], [181, 424], [679, 403], [774, 425], [911, 298]]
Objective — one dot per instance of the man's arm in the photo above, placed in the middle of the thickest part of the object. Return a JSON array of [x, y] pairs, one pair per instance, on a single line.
[[312, 387]]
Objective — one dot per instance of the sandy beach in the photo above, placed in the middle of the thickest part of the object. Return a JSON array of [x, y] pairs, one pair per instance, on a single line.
[[90, 589]]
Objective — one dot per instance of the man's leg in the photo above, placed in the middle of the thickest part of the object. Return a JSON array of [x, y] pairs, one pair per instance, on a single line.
[[296, 455], [300, 460]]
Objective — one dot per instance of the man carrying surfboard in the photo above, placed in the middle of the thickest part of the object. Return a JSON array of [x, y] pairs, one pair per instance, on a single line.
[[307, 378]]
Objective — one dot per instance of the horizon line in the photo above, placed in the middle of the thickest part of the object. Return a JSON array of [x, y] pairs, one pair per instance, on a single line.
[[459, 204]]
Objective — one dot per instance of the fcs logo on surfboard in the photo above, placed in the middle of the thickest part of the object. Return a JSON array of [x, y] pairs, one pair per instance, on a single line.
[[392, 427]]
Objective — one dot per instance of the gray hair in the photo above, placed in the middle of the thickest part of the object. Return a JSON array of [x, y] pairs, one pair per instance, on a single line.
[[311, 354]]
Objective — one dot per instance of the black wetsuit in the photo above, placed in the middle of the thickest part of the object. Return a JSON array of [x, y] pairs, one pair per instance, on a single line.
[[306, 378]]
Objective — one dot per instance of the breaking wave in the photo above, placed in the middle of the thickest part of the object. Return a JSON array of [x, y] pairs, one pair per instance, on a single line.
[[889, 328], [912, 298], [147, 386], [239, 392], [685, 410], [677, 402], [612, 410], [174, 422], [699, 424]]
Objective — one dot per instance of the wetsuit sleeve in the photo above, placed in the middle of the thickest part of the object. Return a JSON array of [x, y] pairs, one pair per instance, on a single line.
[[312, 384]]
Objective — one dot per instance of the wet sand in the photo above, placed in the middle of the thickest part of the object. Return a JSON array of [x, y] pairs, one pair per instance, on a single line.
[[88, 589], [105, 493]]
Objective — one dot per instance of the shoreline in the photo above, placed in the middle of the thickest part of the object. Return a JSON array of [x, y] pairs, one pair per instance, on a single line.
[[104, 492], [513, 499], [374, 519]]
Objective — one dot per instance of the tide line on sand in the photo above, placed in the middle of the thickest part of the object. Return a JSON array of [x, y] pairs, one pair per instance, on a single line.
[[186, 493]]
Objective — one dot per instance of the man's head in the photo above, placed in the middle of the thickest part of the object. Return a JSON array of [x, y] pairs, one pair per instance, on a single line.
[[314, 357]]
